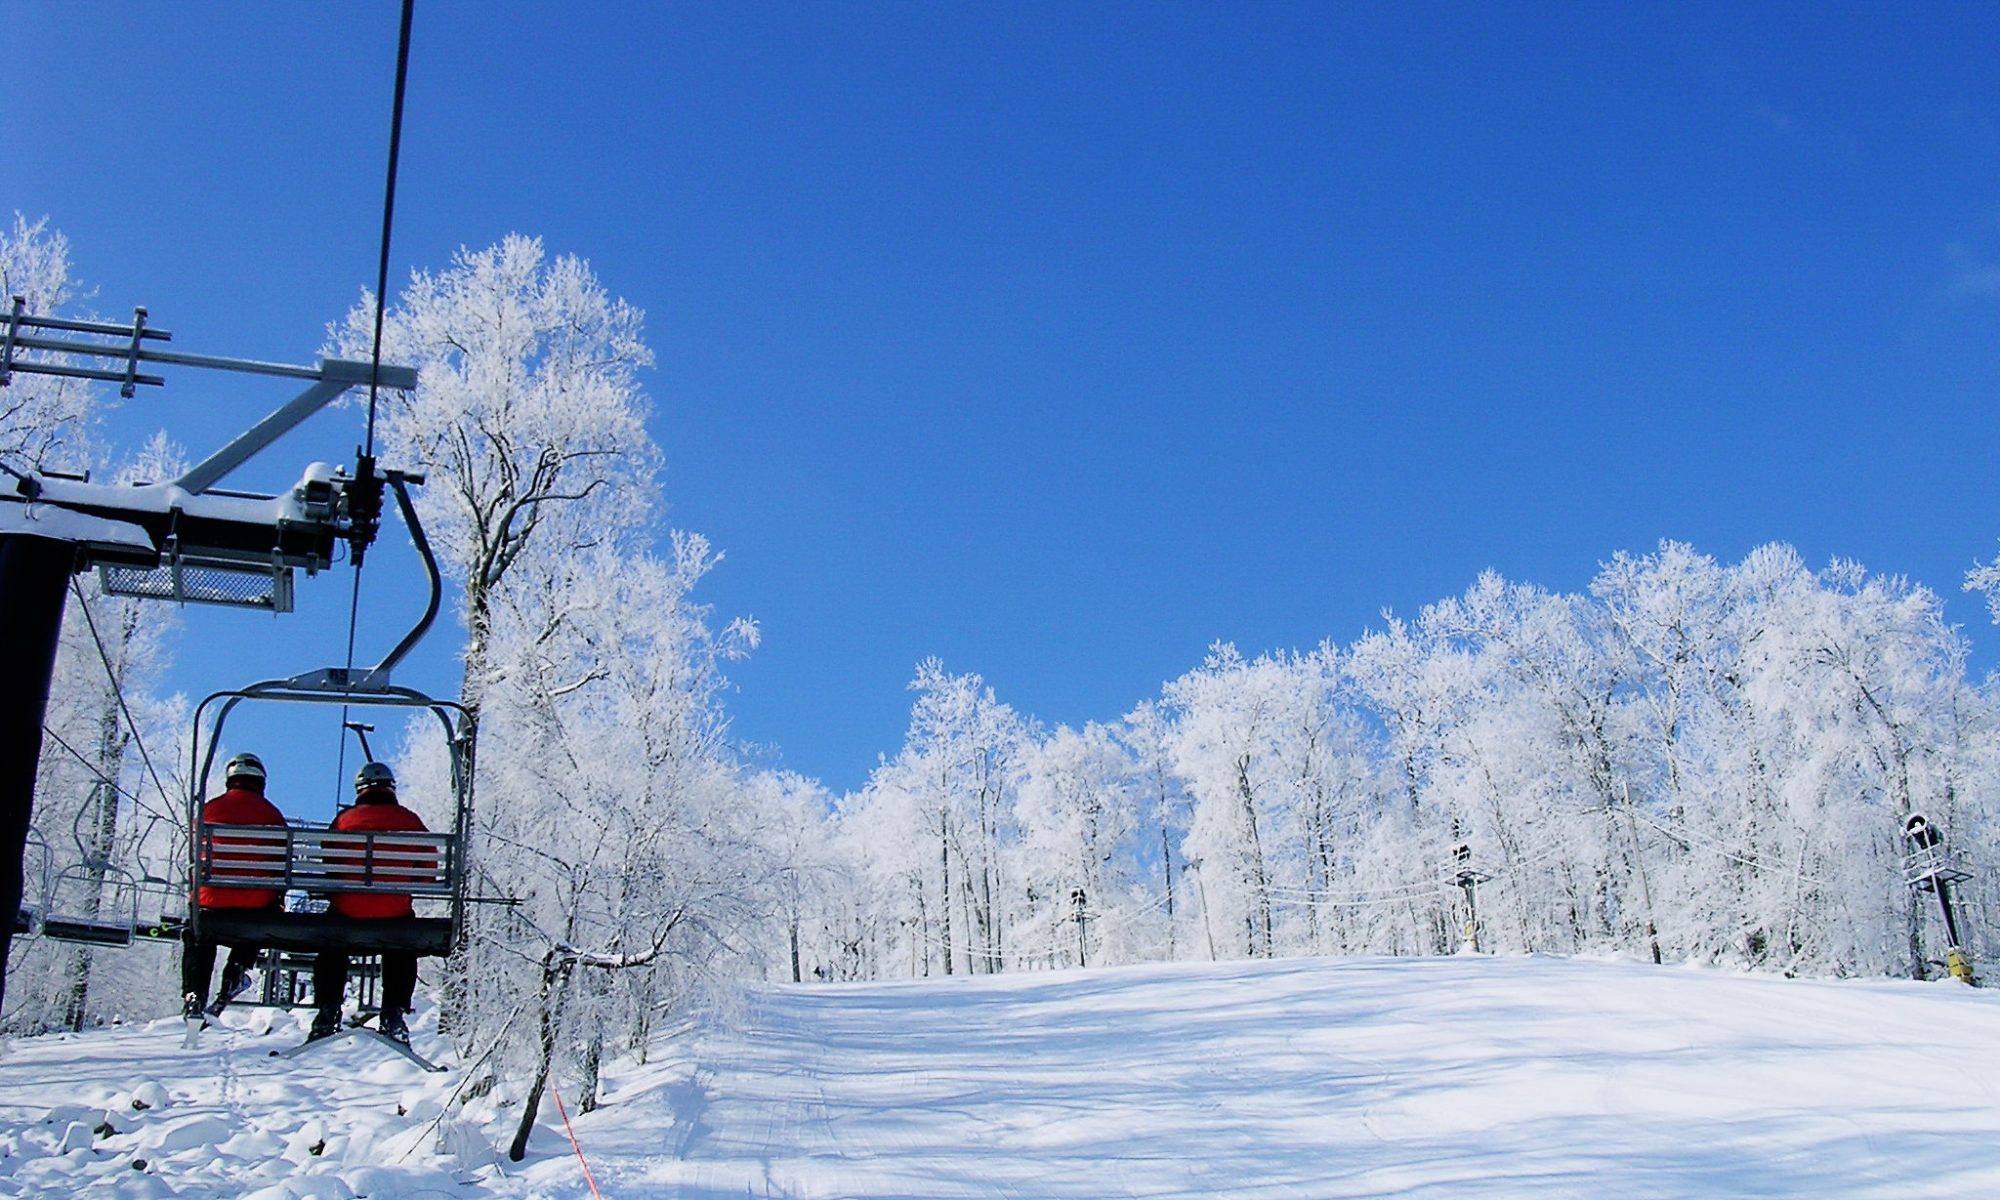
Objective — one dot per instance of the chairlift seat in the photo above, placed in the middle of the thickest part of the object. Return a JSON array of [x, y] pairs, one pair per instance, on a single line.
[[117, 920], [310, 933], [87, 930]]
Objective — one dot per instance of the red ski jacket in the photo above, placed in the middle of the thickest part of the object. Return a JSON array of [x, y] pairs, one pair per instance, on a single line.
[[237, 806], [376, 811]]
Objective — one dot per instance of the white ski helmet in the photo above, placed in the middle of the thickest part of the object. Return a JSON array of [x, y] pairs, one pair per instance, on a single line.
[[374, 775], [244, 766]]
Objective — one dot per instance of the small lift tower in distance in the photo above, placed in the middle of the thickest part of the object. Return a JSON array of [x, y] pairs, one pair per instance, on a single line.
[[1467, 878], [179, 540], [1930, 866]]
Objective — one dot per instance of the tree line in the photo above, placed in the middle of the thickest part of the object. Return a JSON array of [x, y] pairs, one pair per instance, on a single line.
[[1693, 761]]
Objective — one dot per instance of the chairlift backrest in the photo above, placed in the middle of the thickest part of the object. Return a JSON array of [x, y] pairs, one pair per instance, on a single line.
[[1928, 861], [326, 860]]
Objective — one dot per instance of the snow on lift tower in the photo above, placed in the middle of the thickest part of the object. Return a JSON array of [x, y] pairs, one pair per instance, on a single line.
[[181, 540]]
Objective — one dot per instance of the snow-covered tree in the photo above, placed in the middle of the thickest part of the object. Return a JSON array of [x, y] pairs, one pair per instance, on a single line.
[[947, 796], [527, 420], [1226, 745], [1691, 761], [43, 418], [1164, 811], [610, 808]]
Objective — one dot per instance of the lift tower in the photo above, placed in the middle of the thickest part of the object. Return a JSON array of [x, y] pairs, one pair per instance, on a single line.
[[182, 540]]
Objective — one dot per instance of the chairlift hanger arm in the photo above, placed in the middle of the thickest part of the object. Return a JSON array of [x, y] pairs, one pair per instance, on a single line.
[[400, 481]]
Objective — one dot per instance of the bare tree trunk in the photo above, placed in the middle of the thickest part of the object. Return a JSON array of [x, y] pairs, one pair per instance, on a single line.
[[1259, 881], [944, 899], [796, 976], [97, 854], [552, 976], [1645, 888], [593, 1063]]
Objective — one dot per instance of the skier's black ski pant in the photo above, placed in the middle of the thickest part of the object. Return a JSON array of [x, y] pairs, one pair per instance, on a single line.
[[198, 966], [399, 980]]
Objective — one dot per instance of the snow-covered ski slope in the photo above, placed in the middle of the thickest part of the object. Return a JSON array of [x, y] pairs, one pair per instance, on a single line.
[[1464, 1077]]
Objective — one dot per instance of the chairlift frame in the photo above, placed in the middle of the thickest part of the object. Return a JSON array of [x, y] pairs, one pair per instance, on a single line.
[[28, 918], [322, 861], [116, 927]]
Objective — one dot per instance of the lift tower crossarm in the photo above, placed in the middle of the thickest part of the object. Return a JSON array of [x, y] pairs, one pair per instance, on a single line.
[[335, 375]]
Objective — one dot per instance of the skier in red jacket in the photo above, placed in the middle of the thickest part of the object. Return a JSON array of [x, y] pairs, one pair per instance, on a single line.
[[375, 810], [241, 803]]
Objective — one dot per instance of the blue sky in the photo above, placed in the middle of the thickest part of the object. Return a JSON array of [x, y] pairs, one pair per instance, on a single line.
[[1061, 341]]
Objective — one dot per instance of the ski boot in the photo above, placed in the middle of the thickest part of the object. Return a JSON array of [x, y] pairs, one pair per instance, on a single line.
[[234, 984], [391, 1026], [325, 1025]]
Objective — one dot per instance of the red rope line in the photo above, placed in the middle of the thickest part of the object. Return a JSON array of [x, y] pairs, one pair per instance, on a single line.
[[571, 1131]]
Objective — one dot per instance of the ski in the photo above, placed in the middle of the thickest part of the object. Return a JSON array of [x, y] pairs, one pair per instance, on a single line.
[[359, 1031]]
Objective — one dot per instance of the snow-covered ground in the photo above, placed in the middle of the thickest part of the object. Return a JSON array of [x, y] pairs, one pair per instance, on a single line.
[[1466, 1077]]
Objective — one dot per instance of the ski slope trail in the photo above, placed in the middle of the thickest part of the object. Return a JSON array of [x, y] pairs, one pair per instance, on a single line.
[[1418, 1079], [1412, 1078]]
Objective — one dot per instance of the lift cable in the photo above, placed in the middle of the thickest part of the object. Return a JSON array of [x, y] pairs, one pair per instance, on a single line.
[[138, 801], [111, 675], [367, 464], [389, 211]]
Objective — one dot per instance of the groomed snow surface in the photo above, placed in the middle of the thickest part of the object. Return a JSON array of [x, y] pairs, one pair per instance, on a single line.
[[1465, 1077]]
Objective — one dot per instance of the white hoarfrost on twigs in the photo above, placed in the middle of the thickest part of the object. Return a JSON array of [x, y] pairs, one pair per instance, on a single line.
[[1423, 1078]]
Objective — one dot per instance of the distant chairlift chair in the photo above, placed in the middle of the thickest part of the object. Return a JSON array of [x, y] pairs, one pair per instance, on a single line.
[[112, 919]]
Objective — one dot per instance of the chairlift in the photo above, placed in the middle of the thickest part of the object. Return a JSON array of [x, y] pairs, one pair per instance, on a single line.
[[429, 867], [117, 917], [1930, 866], [113, 919]]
